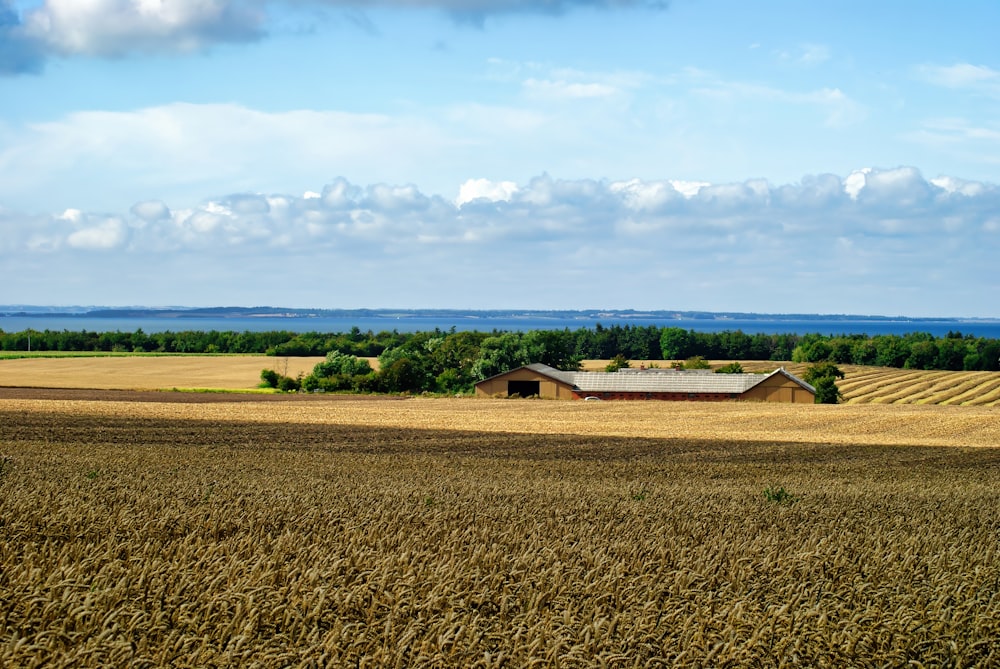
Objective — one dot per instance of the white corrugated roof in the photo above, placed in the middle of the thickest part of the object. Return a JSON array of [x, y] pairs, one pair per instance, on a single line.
[[661, 380], [670, 382]]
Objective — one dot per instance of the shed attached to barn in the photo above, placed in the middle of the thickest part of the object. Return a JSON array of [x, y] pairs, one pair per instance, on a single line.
[[648, 384]]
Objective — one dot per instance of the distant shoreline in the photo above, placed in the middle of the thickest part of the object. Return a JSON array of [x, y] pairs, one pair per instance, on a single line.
[[31, 311], [374, 320]]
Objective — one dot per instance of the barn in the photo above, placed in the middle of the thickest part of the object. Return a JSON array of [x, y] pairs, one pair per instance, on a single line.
[[648, 384]]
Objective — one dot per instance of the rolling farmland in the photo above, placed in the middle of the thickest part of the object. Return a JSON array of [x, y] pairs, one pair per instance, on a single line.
[[887, 385], [304, 531], [862, 385]]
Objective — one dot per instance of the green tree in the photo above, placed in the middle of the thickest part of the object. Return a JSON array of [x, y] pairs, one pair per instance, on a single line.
[[554, 348], [951, 353], [696, 362], [452, 360], [731, 368], [676, 344], [498, 355], [338, 363], [812, 348], [823, 377], [617, 362], [402, 376], [827, 391], [269, 378], [890, 351], [864, 352]]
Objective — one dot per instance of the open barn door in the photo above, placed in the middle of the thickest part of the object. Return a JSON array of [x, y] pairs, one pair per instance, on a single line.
[[523, 388]]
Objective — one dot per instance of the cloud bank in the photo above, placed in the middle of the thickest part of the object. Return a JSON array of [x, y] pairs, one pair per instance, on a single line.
[[873, 241]]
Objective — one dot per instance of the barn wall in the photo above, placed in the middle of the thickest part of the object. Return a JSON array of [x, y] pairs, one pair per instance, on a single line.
[[547, 388], [779, 389], [668, 397]]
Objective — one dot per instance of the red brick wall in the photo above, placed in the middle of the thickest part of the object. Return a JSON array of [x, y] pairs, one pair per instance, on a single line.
[[672, 397]]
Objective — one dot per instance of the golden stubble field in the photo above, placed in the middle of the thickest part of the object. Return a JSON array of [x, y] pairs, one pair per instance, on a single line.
[[231, 372], [148, 529], [454, 533]]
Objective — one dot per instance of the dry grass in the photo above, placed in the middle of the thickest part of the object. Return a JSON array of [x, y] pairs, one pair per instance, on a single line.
[[148, 372], [903, 386], [351, 533]]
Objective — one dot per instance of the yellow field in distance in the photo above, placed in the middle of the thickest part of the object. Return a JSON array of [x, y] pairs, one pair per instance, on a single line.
[[862, 385]]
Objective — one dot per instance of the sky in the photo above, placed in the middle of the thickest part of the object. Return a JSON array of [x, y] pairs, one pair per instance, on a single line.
[[771, 157]]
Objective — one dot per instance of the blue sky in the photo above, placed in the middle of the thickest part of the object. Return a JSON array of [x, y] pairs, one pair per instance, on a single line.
[[725, 156]]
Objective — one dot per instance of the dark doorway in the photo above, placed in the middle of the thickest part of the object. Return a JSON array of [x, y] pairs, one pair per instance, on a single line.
[[522, 388]]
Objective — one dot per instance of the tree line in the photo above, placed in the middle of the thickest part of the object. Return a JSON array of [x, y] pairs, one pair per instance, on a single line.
[[280, 342], [452, 361], [916, 350]]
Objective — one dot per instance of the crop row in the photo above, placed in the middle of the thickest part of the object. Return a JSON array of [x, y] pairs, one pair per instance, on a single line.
[[899, 386]]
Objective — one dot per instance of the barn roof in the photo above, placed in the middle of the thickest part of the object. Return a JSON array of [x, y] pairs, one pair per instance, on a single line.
[[661, 380]]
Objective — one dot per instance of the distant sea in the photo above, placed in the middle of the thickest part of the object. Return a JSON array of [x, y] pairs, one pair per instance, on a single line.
[[414, 323]]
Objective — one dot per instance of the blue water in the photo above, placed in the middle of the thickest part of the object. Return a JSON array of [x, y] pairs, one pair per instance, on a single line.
[[938, 328]]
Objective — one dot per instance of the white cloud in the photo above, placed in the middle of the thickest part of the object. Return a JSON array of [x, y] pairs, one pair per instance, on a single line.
[[839, 109], [855, 181], [152, 210], [105, 235], [956, 132], [484, 189], [962, 75], [688, 188], [642, 196], [961, 186], [813, 54], [172, 150], [119, 28], [903, 186], [72, 216], [549, 242], [806, 54], [565, 90]]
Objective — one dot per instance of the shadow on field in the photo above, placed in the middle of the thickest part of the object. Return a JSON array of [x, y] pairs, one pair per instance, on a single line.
[[248, 437], [174, 397]]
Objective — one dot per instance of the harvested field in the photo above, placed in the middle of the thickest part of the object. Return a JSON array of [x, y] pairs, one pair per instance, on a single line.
[[729, 421], [367, 533], [862, 385], [904, 386], [230, 372]]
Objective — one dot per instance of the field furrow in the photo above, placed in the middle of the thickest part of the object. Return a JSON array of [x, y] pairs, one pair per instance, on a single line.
[[923, 385], [989, 397], [960, 385], [860, 377], [879, 387]]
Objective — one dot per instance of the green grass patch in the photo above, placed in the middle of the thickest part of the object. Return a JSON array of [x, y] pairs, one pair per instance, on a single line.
[[227, 391]]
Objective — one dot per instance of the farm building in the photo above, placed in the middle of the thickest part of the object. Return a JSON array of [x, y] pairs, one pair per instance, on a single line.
[[648, 384]]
